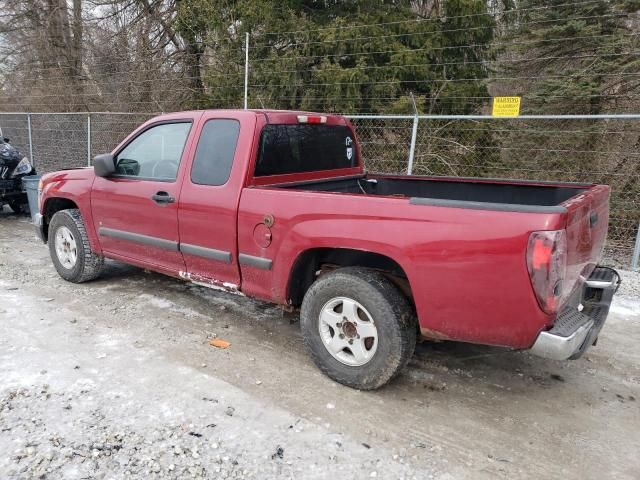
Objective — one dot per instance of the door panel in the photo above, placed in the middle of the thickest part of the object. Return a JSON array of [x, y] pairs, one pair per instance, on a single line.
[[131, 224], [135, 211], [209, 200]]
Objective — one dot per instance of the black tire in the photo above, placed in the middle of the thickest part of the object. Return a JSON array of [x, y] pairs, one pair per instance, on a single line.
[[391, 312], [19, 207], [88, 265]]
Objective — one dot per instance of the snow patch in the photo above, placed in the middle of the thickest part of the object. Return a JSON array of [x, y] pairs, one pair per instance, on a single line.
[[625, 306], [157, 302], [164, 304]]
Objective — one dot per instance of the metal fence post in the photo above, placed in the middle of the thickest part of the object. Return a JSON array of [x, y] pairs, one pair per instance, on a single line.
[[412, 148], [33, 162], [636, 251], [88, 140], [414, 134], [246, 70]]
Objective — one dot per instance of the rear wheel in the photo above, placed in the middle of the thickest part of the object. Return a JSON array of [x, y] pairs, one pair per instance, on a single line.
[[70, 250], [357, 326]]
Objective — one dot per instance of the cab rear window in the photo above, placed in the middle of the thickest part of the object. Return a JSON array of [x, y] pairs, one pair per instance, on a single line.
[[286, 149]]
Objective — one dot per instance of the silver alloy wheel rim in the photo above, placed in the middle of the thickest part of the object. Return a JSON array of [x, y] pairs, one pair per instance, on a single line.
[[348, 331], [66, 248]]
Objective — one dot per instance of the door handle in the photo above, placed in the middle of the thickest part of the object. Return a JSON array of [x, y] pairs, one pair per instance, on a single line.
[[162, 198]]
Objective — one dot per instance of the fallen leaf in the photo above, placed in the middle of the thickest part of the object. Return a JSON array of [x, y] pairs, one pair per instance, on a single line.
[[219, 343]]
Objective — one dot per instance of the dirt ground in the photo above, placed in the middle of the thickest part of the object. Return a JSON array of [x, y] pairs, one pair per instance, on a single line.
[[116, 379]]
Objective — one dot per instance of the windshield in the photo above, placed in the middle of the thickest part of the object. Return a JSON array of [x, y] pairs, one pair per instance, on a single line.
[[300, 148]]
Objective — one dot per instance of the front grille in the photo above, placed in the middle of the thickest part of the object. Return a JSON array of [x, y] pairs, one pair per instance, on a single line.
[[4, 172]]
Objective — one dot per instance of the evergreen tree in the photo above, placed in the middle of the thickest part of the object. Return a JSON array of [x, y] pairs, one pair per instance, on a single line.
[[342, 56], [355, 57], [574, 57]]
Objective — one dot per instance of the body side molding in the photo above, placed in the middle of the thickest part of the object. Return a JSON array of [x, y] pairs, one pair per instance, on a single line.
[[139, 238], [210, 253], [257, 262]]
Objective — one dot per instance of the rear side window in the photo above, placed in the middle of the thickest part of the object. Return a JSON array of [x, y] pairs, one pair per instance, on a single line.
[[305, 148], [214, 154]]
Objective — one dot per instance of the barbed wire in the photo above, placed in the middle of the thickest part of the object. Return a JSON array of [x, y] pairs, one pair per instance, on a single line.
[[449, 47], [96, 91], [434, 32], [449, 80], [255, 102], [440, 19], [490, 43], [109, 77]]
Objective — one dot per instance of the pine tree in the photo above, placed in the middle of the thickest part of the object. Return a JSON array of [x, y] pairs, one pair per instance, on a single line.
[[576, 58], [355, 57], [342, 56]]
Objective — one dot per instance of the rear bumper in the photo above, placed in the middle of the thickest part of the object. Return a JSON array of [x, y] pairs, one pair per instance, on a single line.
[[575, 330]]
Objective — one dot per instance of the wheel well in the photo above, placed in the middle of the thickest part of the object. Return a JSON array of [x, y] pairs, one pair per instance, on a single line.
[[312, 263], [51, 207]]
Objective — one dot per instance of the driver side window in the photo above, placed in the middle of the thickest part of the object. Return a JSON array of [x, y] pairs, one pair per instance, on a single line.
[[155, 153]]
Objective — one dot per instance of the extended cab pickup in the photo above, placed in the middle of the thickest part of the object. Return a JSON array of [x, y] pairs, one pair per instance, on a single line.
[[276, 205]]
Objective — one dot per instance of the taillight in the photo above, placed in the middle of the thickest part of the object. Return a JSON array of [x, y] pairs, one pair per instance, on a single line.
[[547, 264]]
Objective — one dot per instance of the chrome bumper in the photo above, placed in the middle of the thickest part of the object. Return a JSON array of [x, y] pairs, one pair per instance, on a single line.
[[576, 330], [557, 347]]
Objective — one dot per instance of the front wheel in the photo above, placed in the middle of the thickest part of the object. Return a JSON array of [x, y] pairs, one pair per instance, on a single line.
[[70, 250], [358, 328]]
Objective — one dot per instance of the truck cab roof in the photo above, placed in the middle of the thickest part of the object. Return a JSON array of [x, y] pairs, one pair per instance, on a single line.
[[271, 115]]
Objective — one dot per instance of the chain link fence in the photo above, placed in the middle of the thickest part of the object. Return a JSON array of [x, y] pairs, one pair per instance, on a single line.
[[56, 141], [590, 149], [599, 149]]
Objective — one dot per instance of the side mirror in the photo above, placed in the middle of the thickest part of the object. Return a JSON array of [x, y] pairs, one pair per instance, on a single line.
[[104, 165]]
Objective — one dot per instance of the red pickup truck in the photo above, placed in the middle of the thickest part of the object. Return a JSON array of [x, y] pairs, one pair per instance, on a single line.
[[276, 205]]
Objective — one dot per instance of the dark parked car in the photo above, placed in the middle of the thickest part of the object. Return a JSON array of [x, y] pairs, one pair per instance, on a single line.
[[13, 166]]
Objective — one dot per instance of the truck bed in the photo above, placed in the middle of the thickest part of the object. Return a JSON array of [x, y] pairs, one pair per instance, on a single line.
[[493, 192]]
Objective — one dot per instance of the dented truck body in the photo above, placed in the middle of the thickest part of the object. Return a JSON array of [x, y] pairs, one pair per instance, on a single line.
[[497, 262]]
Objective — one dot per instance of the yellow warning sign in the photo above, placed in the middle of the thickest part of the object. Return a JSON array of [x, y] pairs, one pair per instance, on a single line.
[[506, 107]]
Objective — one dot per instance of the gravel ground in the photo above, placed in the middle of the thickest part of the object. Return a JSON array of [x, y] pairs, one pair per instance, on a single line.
[[110, 412], [116, 379], [630, 286]]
